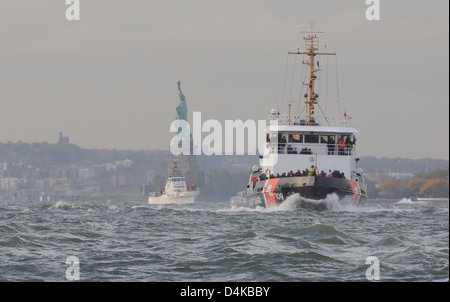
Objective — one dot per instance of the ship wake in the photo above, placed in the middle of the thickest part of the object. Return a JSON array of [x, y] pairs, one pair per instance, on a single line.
[[331, 203], [297, 201]]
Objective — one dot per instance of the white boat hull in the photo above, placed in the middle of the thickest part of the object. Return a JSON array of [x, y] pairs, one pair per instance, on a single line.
[[182, 198]]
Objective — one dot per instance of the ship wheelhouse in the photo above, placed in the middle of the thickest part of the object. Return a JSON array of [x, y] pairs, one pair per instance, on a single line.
[[175, 185], [297, 146]]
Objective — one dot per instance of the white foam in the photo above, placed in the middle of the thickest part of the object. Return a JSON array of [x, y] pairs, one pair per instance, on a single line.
[[404, 200], [139, 207], [290, 204], [62, 205], [113, 208]]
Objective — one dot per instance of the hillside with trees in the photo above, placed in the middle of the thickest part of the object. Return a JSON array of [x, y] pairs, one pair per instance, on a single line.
[[434, 184]]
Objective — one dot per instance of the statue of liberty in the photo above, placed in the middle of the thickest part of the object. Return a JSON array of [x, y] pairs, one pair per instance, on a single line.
[[182, 109], [182, 106], [181, 164]]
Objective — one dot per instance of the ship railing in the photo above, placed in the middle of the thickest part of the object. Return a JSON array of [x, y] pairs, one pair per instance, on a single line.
[[191, 189], [286, 120], [310, 149]]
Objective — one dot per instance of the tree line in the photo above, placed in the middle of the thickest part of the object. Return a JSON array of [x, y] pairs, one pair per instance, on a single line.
[[434, 184]]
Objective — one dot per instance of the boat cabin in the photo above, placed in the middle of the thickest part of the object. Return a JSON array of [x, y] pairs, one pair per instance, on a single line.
[[300, 140], [319, 147], [175, 185]]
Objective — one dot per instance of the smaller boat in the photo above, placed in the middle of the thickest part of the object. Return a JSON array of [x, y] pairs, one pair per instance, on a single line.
[[176, 192], [413, 198]]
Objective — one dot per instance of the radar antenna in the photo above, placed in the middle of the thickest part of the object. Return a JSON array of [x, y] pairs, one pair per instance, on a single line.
[[311, 50]]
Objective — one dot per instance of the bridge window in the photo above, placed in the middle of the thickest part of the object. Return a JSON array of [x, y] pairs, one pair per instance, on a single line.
[[327, 139], [346, 137], [312, 138], [295, 138]]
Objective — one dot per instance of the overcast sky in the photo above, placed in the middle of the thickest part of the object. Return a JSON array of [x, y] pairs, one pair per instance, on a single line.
[[109, 80]]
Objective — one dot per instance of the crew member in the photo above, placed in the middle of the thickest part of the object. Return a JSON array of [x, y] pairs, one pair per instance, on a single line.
[[341, 145]]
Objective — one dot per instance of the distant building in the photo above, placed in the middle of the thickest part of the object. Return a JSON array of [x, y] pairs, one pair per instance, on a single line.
[[63, 140], [85, 173], [10, 184], [127, 163], [4, 171]]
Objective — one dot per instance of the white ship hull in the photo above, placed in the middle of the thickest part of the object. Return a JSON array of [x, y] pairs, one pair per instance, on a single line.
[[181, 198]]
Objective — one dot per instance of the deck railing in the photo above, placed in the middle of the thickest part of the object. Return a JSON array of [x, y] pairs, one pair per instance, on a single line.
[[311, 149], [285, 120]]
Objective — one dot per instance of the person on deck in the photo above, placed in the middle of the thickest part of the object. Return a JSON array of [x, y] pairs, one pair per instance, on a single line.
[[254, 181], [341, 146], [281, 144], [331, 145], [289, 149]]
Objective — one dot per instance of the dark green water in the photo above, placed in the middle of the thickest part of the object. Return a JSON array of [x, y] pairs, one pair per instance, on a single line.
[[206, 241]]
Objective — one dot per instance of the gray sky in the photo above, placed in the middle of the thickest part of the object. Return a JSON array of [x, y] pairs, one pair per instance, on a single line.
[[109, 80]]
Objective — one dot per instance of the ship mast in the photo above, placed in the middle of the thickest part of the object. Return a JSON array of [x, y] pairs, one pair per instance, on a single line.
[[312, 46]]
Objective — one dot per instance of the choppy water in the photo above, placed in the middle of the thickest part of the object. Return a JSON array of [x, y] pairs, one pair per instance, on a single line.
[[211, 241]]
